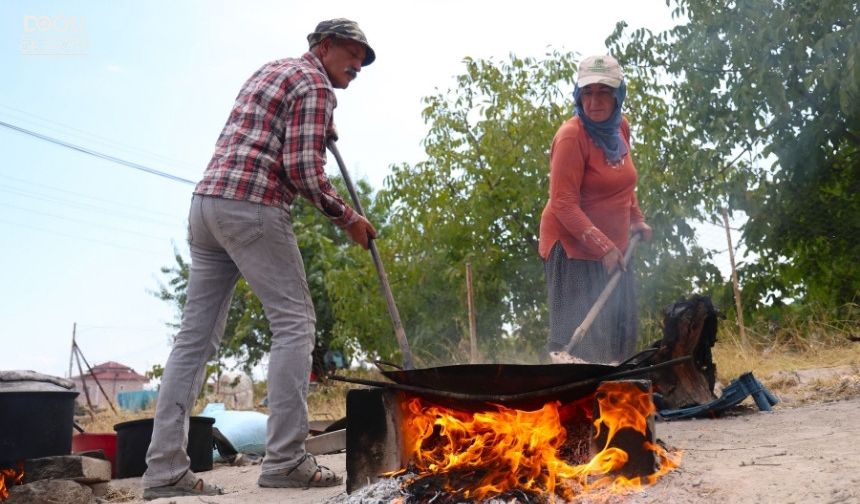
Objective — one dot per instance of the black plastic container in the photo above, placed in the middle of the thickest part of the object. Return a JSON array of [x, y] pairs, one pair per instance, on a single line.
[[35, 424], [132, 441]]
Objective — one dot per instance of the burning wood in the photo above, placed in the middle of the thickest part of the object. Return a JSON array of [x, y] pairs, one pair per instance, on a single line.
[[10, 477], [507, 453]]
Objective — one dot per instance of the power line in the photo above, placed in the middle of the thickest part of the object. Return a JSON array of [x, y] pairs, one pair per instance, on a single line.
[[86, 328], [85, 207], [29, 116], [122, 205], [97, 154], [79, 221], [81, 238]]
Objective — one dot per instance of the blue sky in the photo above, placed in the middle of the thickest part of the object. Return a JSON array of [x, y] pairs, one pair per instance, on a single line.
[[152, 82]]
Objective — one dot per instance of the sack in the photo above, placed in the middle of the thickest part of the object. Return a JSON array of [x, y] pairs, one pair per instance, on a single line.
[[244, 430]]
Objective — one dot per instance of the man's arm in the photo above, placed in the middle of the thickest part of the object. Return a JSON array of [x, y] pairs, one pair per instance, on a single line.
[[304, 155], [304, 159]]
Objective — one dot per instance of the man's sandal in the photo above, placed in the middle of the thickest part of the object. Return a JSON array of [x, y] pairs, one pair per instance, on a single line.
[[188, 484], [302, 475]]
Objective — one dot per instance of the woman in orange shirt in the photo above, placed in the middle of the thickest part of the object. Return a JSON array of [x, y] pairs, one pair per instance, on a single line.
[[591, 211]]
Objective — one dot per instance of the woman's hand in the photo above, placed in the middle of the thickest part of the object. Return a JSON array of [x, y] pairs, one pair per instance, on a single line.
[[613, 259], [643, 229]]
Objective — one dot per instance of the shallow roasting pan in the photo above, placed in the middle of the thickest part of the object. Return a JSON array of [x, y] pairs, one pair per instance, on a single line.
[[505, 379]]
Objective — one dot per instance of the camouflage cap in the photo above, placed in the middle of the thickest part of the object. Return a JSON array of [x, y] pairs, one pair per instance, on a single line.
[[344, 29]]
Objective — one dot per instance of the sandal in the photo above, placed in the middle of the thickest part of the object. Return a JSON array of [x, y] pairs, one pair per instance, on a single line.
[[302, 475], [188, 484]]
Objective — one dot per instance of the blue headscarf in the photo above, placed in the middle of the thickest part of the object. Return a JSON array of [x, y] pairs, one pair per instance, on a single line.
[[607, 134]]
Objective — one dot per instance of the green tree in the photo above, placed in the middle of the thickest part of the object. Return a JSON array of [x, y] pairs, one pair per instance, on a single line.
[[765, 120], [478, 198]]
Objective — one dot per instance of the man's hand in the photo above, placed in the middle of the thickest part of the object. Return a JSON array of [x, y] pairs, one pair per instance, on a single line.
[[643, 229], [360, 231], [331, 134], [613, 259]]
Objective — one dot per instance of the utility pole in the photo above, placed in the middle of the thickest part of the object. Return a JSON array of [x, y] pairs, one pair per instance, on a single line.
[[72, 352], [735, 285]]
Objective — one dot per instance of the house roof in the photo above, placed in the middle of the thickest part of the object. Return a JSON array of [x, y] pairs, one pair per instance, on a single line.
[[114, 371]]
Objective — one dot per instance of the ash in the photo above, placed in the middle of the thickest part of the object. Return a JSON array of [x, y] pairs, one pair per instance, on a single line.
[[391, 491], [384, 491]]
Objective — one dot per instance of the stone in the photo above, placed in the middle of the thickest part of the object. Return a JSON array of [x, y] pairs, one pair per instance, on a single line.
[[50, 492], [70, 467], [99, 489]]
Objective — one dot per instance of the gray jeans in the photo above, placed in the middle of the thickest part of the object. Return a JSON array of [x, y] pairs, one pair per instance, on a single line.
[[229, 238]]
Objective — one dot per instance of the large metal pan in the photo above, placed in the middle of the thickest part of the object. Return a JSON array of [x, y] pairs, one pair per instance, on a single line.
[[502, 379], [514, 385], [518, 385], [505, 379]]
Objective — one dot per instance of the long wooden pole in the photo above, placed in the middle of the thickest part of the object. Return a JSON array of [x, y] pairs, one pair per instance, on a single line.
[[399, 333], [107, 397], [83, 380], [473, 325], [738, 305], [72, 352]]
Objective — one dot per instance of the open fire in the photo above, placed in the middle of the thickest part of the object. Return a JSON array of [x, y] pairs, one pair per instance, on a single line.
[[10, 477], [475, 456]]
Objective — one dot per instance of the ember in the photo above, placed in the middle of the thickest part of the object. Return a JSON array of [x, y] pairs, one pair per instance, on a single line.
[[475, 456], [10, 477]]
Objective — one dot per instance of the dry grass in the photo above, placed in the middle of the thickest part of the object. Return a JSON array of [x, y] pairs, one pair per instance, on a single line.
[[801, 343], [328, 401], [733, 359], [103, 420], [811, 358]]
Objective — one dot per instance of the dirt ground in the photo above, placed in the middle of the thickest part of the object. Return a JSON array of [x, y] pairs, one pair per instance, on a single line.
[[805, 451]]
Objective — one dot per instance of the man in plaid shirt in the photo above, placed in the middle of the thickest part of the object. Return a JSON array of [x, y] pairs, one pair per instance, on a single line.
[[271, 150]]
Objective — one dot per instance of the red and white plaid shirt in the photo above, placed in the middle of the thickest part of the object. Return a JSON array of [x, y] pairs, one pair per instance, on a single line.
[[273, 145]]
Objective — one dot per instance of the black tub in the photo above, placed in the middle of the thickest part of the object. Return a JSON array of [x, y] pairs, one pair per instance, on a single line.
[[35, 424], [132, 441], [37, 414]]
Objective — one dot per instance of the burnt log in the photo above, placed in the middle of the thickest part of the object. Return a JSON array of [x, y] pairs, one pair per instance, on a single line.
[[689, 328], [642, 460]]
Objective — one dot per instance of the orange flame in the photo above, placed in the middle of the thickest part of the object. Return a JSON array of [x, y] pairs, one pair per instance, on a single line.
[[489, 453], [14, 476]]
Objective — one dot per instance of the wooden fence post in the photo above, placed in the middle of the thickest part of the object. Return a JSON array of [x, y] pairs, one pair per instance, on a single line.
[[737, 289], [473, 325]]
